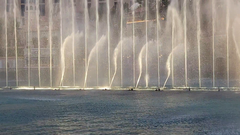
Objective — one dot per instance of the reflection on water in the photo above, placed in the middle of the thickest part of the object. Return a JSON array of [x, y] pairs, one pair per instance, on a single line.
[[119, 112]]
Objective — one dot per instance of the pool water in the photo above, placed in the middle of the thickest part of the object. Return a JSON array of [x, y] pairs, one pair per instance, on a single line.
[[119, 112]]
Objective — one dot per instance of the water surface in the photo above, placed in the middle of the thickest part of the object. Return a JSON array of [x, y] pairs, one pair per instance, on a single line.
[[119, 112]]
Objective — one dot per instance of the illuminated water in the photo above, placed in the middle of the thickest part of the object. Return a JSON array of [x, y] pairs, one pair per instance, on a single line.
[[119, 112]]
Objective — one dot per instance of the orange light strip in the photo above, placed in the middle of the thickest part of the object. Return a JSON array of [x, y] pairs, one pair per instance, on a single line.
[[141, 21]]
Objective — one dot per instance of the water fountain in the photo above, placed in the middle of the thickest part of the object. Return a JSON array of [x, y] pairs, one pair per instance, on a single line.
[[157, 41], [179, 49], [109, 43], [133, 8], [50, 41], [95, 49], [115, 58], [141, 63], [199, 42], [73, 42], [213, 42], [39, 43], [185, 42], [227, 34], [121, 38], [15, 34], [67, 45], [6, 43], [29, 47], [86, 23]]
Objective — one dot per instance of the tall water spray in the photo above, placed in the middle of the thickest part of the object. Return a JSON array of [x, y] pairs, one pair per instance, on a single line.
[[168, 67], [173, 44], [140, 63], [63, 65], [67, 42], [73, 41], [6, 42], [50, 39], [39, 50], [179, 26], [198, 41], [109, 53], [213, 40], [158, 45], [115, 58], [133, 40], [185, 42], [121, 38], [97, 45], [16, 43], [134, 7], [227, 30], [97, 29], [86, 37], [169, 63], [146, 26], [29, 49], [61, 34]]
